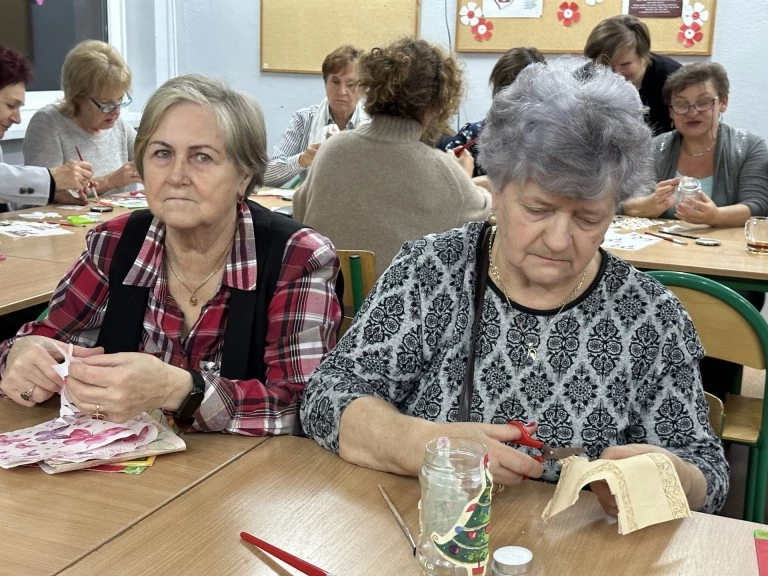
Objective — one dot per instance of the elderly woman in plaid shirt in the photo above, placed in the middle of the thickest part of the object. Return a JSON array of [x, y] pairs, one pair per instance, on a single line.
[[206, 305]]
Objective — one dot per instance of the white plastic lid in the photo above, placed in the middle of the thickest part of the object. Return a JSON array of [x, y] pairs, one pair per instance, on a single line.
[[512, 560]]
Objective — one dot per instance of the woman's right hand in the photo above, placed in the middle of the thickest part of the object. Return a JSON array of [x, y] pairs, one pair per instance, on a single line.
[[509, 466], [656, 203], [308, 156], [29, 368]]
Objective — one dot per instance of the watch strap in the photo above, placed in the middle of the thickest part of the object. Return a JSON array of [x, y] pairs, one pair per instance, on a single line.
[[184, 415]]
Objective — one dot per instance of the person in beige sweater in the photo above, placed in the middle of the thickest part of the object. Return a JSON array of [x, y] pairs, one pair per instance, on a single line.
[[382, 184]]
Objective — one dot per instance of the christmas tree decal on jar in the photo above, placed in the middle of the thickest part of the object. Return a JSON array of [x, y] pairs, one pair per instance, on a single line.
[[467, 543]]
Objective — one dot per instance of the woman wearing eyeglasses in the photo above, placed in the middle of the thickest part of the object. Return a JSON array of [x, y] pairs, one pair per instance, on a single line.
[[86, 124], [730, 163]]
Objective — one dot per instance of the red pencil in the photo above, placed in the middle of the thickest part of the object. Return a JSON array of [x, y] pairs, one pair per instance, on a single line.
[[667, 238], [459, 149], [289, 559]]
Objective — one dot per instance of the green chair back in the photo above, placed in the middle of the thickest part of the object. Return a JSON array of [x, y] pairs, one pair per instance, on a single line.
[[359, 270], [730, 328]]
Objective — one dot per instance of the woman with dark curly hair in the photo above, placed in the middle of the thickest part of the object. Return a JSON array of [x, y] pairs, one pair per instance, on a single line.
[[503, 74], [382, 184]]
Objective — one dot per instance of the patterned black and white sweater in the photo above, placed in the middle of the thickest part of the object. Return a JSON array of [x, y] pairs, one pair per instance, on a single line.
[[618, 366]]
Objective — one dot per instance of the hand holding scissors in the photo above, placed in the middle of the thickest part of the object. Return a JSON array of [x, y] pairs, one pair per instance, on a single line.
[[547, 452]]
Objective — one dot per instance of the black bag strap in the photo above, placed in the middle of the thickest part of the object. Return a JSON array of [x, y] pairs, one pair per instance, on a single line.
[[246, 322], [123, 319], [481, 280]]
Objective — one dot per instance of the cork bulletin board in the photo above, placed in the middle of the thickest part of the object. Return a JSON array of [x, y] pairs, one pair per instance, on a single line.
[[563, 27], [296, 37]]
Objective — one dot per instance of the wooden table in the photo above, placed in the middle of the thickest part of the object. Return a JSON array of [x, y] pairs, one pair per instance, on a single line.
[[292, 493], [27, 282], [48, 522], [34, 266], [730, 262]]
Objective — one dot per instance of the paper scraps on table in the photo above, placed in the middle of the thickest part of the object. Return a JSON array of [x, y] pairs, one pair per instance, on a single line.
[[628, 241], [19, 229], [130, 203], [74, 440], [646, 487], [634, 223], [38, 215]]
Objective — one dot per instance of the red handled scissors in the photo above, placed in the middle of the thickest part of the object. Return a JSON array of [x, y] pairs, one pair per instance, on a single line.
[[547, 452]]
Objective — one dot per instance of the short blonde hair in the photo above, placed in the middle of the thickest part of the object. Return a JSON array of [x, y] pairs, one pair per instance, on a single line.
[[90, 67], [239, 118]]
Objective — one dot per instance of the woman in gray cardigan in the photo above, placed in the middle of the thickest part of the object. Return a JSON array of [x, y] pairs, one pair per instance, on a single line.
[[730, 163]]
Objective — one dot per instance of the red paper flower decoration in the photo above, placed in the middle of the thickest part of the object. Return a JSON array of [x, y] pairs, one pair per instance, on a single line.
[[568, 13], [689, 35], [483, 30]]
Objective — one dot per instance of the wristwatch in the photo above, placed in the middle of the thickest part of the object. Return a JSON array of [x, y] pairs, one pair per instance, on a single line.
[[185, 413]]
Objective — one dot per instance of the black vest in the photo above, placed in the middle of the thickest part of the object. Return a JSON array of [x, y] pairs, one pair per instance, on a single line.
[[245, 333]]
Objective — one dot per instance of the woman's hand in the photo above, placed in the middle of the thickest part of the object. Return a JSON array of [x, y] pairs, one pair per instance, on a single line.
[[74, 174], [308, 156], [508, 465], [29, 369], [656, 203], [123, 176], [126, 384], [465, 160], [691, 478], [699, 211], [71, 196]]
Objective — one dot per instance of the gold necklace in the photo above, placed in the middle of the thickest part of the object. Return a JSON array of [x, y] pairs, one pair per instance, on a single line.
[[193, 293], [532, 350], [698, 154]]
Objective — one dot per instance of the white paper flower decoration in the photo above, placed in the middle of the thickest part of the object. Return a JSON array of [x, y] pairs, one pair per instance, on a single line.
[[593, 2], [470, 14], [697, 13]]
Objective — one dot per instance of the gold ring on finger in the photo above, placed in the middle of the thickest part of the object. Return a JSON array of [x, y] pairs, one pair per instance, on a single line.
[[98, 415], [27, 396]]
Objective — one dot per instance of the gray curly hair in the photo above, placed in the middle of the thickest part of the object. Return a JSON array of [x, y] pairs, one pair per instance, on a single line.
[[574, 133]]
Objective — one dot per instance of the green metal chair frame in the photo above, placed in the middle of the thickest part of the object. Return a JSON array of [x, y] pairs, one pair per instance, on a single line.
[[359, 270], [757, 467]]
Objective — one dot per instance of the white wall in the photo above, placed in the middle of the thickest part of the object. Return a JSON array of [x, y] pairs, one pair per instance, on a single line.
[[221, 38]]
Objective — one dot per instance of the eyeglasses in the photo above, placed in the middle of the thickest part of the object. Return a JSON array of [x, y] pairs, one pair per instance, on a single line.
[[107, 108], [682, 108]]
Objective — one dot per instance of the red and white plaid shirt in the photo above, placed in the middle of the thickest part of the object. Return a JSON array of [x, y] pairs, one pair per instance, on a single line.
[[301, 321]]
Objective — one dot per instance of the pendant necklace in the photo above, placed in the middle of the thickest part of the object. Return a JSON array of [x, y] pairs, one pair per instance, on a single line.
[[532, 350], [193, 292]]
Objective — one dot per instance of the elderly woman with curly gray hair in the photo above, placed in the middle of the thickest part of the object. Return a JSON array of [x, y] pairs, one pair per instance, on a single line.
[[529, 320]]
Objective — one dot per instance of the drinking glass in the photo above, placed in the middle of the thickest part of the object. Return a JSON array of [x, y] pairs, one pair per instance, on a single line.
[[756, 234]]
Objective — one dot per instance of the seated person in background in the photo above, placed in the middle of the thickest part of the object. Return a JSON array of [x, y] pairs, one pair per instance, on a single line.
[[96, 81], [623, 43], [377, 186], [503, 74], [27, 184], [206, 304], [572, 339], [730, 163], [340, 110]]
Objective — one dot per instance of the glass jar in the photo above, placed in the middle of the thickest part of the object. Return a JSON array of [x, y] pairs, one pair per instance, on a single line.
[[688, 188], [455, 508]]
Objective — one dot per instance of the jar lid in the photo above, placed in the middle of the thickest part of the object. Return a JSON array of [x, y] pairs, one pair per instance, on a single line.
[[512, 560]]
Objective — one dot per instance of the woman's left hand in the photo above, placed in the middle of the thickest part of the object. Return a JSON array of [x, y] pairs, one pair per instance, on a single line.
[[692, 480], [699, 211], [126, 384]]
